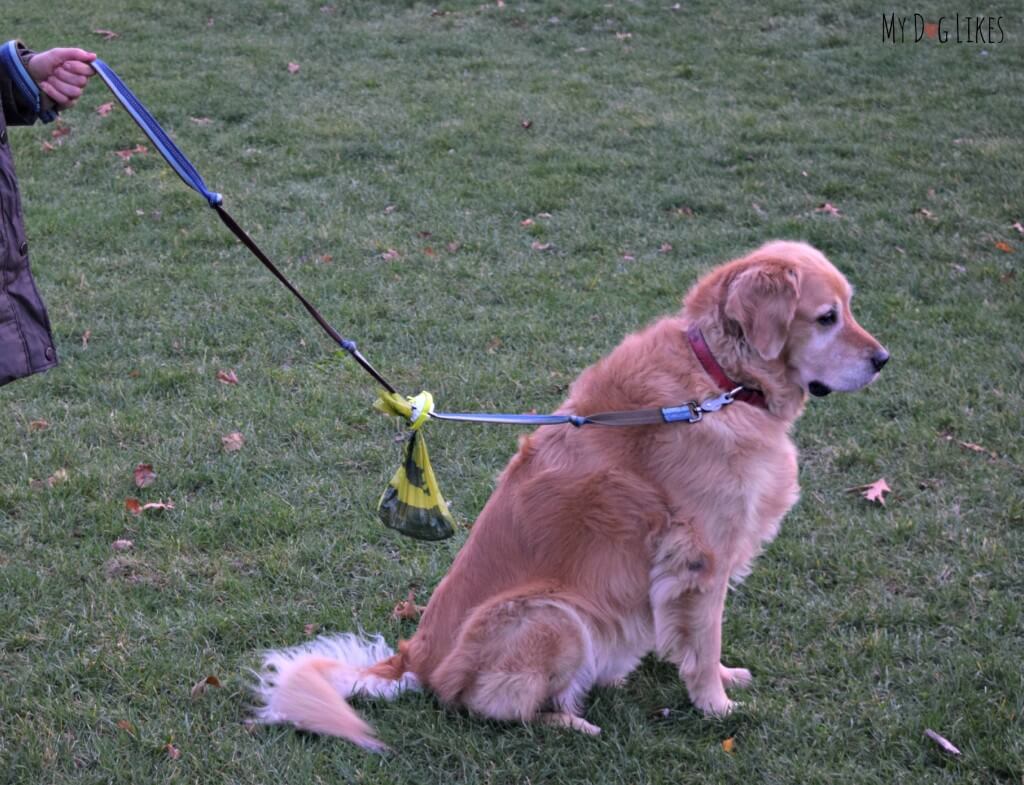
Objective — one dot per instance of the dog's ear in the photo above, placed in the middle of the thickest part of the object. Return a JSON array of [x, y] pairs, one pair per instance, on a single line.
[[762, 299]]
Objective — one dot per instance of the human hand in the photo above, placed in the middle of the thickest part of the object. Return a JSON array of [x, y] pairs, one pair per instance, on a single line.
[[61, 74]]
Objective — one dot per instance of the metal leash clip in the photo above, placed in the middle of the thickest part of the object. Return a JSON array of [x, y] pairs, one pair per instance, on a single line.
[[714, 404]]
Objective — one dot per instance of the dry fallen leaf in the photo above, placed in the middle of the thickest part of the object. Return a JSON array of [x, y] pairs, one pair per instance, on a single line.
[[59, 476], [293, 68], [873, 492], [201, 120], [108, 35], [125, 726], [85, 338], [407, 608], [526, 222], [537, 245], [60, 131], [48, 148], [227, 377], [1018, 226], [526, 125], [172, 752], [665, 248], [144, 475], [729, 745], [38, 425], [390, 255], [828, 208], [126, 155], [942, 741], [973, 447], [200, 686], [104, 109], [135, 507], [122, 545], [453, 247], [310, 629], [233, 442], [1004, 247]]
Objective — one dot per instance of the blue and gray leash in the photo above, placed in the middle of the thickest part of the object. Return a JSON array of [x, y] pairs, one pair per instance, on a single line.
[[690, 412]]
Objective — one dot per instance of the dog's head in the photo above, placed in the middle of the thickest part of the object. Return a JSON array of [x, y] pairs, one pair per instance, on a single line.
[[793, 306]]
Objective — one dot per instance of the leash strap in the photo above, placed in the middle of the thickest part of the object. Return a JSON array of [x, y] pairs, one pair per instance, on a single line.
[[689, 412], [191, 177]]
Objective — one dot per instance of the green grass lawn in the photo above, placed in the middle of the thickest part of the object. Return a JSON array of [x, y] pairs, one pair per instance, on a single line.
[[389, 176]]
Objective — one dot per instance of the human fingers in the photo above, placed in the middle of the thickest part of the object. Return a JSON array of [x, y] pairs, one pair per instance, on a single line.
[[62, 74], [78, 67], [62, 95], [72, 55]]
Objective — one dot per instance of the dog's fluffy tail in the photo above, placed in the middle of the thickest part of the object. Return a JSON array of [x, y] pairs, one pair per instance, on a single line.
[[307, 685]]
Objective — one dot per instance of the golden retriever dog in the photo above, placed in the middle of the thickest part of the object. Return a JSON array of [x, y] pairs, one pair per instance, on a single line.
[[601, 544]]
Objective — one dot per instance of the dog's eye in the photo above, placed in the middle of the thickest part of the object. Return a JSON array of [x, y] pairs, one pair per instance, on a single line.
[[827, 319]]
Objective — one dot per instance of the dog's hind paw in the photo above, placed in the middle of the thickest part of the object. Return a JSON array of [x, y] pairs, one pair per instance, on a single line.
[[735, 677]]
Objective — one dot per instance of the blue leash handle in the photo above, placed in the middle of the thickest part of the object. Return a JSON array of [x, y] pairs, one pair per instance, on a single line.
[[151, 128]]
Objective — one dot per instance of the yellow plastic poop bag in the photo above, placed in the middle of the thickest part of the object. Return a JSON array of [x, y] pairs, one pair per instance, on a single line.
[[412, 503]]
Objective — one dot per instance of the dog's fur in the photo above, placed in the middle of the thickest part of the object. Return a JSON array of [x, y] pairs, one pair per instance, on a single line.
[[600, 545]]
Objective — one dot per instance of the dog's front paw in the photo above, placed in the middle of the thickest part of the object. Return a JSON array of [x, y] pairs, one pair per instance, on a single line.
[[718, 707], [735, 677]]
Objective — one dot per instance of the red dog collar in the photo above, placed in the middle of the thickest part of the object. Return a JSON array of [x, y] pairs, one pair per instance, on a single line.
[[714, 370]]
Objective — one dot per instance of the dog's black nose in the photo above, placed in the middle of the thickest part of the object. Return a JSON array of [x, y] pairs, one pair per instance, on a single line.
[[879, 359]]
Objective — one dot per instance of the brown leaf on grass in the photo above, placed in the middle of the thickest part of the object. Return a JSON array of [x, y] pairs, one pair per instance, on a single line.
[[526, 125], [972, 447], [201, 120], [172, 752], [828, 208], [942, 741], [873, 492], [628, 257], [58, 477], [665, 248], [85, 338], [390, 255], [144, 475], [60, 131], [1018, 226], [526, 222], [233, 442], [407, 608], [135, 507], [729, 745], [537, 245], [38, 425], [227, 377], [126, 726], [108, 35], [126, 155], [924, 212], [122, 545], [200, 687], [310, 629], [293, 68], [453, 247], [104, 109], [47, 147], [1004, 247]]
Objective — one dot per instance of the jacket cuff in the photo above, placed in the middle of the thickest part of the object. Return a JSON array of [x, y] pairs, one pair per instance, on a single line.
[[13, 57]]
